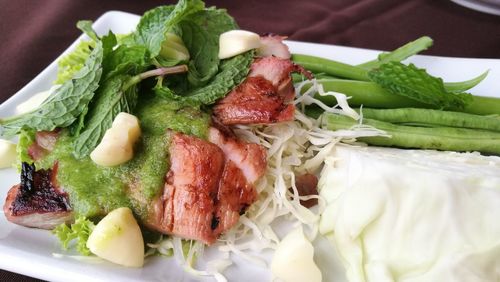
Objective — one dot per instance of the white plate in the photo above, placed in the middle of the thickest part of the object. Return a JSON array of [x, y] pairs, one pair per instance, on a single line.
[[485, 6], [29, 251]]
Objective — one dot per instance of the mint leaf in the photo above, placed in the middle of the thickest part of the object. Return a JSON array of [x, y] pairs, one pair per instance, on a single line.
[[125, 59], [66, 104], [108, 43], [86, 27], [114, 96], [232, 72], [417, 84], [122, 60], [78, 233], [157, 22], [200, 32]]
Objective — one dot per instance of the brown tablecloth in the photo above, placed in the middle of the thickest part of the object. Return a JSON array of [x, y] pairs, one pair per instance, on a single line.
[[34, 33]]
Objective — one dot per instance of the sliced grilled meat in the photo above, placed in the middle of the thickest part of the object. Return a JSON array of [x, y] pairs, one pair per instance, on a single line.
[[307, 184], [186, 207], [272, 45], [249, 157], [44, 143], [263, 97], [208, 186], [37, 201]]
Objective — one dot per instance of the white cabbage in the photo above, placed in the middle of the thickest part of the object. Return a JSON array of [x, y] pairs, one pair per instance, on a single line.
[[408, 215]]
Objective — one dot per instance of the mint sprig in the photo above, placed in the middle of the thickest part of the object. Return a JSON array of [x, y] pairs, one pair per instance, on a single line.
[[66, 104], [418, 85]]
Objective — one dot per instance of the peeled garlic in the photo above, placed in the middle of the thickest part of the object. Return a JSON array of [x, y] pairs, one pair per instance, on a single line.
[[117, 145], [293, 259], [235, 42], [118, 238], [7, 153], [35, 101]]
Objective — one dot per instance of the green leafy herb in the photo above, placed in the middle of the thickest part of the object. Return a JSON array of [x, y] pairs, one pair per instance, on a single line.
[[125, 59], [118, 93], [113, 97], [68, 102], [417, 84], [78, 233], [200, 33], [173, 51], [86, 27], [108, 43], [26, 138], [232, 72], [154, 24]]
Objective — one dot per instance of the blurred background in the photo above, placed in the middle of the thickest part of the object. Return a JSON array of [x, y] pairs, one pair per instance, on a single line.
[[34, 33]]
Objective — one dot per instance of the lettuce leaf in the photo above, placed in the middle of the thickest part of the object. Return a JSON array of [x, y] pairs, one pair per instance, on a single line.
[[78, 234], [71, 63]]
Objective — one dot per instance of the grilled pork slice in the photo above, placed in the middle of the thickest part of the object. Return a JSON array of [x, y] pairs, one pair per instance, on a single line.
[[186, 207], [263, 97], [245, 164], [45, 142], [272, 45], [249, 157], [37, 201], [206, 189]]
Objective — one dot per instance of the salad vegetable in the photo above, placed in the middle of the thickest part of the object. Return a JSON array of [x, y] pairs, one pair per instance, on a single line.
[[417, 84], [67, 103], [412, 215], [77, 233], [422, 136], [401, 53]]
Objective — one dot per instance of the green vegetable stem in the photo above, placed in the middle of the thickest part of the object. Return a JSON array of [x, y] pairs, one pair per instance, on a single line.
[[372, 95], [433, 118], [398, 55], [330, 67], [440, 138]]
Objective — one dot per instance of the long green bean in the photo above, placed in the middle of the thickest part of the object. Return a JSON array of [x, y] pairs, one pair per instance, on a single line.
[[371, 95], [440, 138], [332, 68], [428, 117], [403, 52], [338, 69]]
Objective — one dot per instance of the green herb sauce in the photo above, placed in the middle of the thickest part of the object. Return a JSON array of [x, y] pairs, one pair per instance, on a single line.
[[94, 190]]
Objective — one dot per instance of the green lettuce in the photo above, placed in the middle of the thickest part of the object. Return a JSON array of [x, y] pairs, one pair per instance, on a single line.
[[77, 233], [71, 63]]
